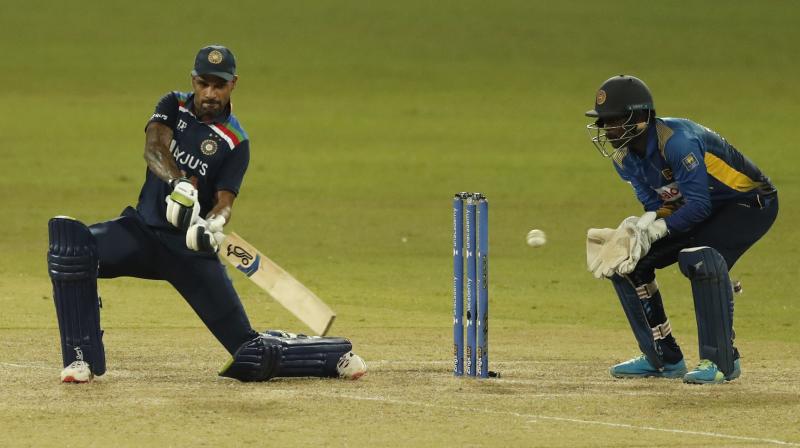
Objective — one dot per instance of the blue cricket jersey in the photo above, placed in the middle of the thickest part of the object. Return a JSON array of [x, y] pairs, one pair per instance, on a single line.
[[688, 171], [214, 156]]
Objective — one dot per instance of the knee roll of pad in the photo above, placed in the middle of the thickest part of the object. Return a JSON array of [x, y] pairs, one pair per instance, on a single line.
[[713, 303], [256, 360], [267, 356], [72, 265]]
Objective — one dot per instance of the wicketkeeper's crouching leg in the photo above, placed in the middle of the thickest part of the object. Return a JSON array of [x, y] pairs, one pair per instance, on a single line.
[[278, 354], [713, 304]]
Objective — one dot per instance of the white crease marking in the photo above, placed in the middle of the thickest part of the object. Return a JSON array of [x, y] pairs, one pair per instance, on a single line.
[[534, 417]]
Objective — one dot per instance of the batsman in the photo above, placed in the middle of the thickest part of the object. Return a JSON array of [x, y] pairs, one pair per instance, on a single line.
[[705, 204], [197, 154]]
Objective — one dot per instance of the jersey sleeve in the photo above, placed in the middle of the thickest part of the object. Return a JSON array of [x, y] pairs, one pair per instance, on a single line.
[[166, 111], [685, 156], [232, 172], [649, 199]]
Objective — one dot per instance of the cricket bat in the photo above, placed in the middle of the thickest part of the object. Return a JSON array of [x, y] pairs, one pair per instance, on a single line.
[[284, 288]]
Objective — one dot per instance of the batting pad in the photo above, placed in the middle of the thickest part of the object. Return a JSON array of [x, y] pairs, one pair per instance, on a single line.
[[72, 265], [312, 356], [268, 356], [713, 303], [635, 313]]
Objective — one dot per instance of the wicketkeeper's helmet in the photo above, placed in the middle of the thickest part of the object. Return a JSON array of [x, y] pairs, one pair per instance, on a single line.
[[622, 96]]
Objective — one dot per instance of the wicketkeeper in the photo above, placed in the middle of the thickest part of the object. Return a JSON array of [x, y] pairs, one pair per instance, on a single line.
[[705, 204], [197, 154]]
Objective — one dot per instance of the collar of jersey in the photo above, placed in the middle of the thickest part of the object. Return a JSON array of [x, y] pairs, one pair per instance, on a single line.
[[652, 140], [221, 117]]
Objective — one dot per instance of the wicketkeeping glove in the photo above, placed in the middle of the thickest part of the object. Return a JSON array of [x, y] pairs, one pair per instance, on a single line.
[[609, 249], [183, 208], [206, 236], [649, 230]]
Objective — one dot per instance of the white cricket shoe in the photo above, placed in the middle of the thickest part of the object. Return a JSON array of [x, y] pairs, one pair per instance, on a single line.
[[77, 372], [351, 366]]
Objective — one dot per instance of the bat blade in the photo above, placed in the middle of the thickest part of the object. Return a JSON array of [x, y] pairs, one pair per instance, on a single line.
[[278, 283]]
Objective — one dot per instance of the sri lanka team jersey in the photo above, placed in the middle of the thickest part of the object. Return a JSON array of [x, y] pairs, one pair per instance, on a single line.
[[688, 171], [213, 155]]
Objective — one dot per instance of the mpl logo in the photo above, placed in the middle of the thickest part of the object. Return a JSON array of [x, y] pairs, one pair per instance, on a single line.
[[669, 192]]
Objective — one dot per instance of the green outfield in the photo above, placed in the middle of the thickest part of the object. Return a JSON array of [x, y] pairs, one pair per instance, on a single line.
[[364, 119]]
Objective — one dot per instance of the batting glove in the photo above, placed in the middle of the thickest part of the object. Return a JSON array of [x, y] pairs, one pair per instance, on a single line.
[[183, 208], [206, 236]]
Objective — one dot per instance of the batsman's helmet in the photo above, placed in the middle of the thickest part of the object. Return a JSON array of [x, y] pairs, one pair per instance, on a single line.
[[622, 96]]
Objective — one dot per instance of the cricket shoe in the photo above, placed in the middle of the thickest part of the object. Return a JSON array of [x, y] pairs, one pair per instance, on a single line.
[[708, 373], [77, 372], [642, 368], [351, 366]]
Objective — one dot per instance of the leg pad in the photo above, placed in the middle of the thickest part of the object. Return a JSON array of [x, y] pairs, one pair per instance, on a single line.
[[272, 355], [72, 264], [713, 304], [634, 311]]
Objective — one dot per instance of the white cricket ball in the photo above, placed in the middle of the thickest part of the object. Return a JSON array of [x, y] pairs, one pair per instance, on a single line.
[[536, 238]]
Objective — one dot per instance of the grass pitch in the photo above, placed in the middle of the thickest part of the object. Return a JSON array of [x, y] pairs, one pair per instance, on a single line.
[[364, 118]]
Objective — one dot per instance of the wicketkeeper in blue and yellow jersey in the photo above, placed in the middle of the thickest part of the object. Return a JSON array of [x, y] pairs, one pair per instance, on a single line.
[[705, 204]]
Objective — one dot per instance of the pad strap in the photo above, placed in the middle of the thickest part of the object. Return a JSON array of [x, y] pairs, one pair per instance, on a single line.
[[646, 291], [662, 331]]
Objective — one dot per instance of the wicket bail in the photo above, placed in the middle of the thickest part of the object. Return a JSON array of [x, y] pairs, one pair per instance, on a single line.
[[474, 218]]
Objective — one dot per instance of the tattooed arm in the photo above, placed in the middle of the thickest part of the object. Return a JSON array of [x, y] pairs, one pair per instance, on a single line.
[[158, 137]]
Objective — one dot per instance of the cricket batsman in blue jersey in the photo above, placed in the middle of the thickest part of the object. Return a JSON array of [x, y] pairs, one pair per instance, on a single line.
[[197, 154], [705, 204]]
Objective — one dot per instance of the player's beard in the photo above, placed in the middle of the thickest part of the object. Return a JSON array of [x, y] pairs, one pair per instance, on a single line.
[[209, 109]]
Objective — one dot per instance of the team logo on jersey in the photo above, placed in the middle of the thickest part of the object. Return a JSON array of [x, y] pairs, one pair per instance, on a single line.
[[690, 161], [601, 97], [667, 173], [215, 57], [208, 147]]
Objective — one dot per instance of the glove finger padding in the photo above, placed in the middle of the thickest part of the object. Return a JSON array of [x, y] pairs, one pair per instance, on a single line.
[[610, 251], [183, 208], [215, 223], [645, 220], [595, 239], [198, 238]]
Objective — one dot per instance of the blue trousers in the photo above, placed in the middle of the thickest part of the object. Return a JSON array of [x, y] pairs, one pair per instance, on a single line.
[[127, 247], [731, 230]]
